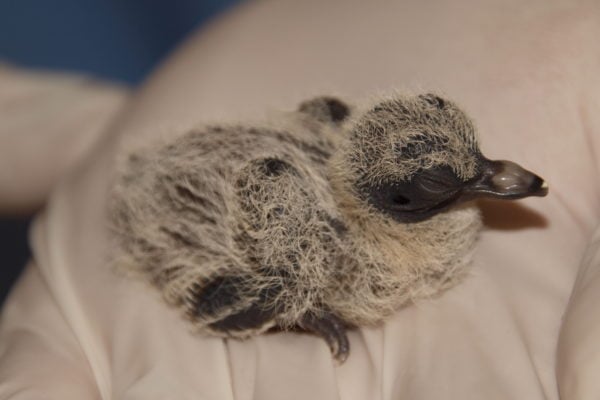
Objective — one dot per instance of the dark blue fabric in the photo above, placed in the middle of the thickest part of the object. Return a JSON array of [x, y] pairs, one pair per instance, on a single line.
[[115, 39], [15, 252], [118, 39]]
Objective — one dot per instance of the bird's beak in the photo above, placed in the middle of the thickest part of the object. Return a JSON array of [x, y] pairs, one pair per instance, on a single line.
[[505, 180]]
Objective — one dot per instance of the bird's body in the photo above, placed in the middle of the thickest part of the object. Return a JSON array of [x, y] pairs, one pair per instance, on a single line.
[[289, 224]]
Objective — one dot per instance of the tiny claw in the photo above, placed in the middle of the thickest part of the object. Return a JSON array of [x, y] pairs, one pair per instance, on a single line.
[[343, 349], [333, 330]]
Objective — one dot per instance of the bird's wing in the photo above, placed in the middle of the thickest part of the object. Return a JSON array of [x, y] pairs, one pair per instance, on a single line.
[[290, 231]]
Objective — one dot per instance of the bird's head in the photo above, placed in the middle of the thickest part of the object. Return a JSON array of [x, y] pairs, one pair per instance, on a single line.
[[413, 157]]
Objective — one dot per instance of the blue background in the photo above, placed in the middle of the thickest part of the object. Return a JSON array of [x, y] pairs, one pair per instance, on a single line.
[[120, 40]]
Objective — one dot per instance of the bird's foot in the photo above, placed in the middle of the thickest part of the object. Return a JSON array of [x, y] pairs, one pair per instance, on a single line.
[[333, 330]]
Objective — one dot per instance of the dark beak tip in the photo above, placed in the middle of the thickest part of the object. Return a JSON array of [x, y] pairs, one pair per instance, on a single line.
[[539, 187], [542, 190]]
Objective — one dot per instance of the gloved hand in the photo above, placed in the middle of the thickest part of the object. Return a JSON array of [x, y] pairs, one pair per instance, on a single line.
[[527, 73]]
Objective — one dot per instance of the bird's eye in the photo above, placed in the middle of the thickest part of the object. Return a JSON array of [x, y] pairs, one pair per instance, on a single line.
[[400, 200], [438, 180], [434, 185], [427, 193]]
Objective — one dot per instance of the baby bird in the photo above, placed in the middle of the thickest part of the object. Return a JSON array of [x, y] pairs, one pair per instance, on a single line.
[[327, 219]]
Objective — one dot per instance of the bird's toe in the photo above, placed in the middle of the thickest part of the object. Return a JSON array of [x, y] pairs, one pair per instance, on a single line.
[[333, 330]]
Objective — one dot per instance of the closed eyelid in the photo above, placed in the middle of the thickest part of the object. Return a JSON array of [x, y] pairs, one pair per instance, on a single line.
[[437, 186], [438, 181]]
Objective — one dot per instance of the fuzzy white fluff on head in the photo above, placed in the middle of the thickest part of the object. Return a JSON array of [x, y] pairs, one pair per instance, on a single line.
[[400, 135]]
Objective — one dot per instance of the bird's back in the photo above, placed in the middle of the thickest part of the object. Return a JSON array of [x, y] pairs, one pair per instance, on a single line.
[[249, 204]]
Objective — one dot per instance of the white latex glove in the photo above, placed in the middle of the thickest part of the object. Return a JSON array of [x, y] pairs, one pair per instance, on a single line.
[[526, 72], [48, 121]]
